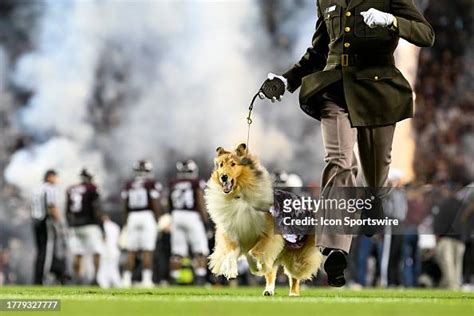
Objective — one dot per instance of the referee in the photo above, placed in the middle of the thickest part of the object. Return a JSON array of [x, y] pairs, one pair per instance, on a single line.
[[44, 213]]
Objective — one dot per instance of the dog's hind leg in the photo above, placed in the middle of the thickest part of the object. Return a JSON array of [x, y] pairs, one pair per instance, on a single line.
[[301, 264], [294, 286], [267, 248], [253, 267], [266, 251], [270, 279]]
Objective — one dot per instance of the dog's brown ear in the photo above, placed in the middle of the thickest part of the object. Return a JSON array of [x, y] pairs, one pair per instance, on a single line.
[[246, 161], [241, 150], [221, 151]]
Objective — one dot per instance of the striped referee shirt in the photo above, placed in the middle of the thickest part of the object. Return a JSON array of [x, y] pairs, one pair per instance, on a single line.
[[44, 198]]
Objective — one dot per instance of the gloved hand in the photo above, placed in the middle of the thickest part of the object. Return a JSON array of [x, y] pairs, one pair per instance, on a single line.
[[374, 18], [272, 76]]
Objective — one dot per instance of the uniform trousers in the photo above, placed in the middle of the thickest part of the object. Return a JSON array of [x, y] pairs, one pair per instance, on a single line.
[[339, 139]]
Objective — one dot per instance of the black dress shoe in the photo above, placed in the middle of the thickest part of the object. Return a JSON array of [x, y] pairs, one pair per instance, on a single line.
[[334, 266]]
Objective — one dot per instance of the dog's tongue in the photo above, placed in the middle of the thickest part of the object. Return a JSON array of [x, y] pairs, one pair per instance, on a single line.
[[228, 187]]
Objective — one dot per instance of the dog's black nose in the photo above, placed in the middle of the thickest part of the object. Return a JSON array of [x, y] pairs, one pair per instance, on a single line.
[[224, 178]]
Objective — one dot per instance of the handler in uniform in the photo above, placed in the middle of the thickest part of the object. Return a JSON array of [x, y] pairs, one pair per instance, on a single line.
[[350, 83]]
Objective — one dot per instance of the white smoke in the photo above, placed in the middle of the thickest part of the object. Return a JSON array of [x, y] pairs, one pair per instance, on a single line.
[[28, 166], [190, 71], [60, 72], [3, 68], [196, 97]]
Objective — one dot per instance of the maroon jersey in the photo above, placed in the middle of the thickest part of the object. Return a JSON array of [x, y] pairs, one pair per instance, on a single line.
[[183, 194], [139, 193], [82, 204]]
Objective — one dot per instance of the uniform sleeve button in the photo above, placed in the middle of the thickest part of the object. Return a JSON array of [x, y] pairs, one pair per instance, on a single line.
[[348, 13], [376, 77]]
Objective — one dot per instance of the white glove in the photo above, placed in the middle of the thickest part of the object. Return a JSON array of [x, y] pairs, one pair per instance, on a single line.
[[271, 76], [374, 18]]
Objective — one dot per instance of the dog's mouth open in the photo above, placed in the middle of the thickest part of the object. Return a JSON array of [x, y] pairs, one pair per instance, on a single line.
[[227, 186]]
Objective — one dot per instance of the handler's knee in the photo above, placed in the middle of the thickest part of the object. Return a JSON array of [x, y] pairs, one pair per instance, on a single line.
[[343, 162]]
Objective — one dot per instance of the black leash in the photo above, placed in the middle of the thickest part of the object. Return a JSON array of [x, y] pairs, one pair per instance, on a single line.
[[271, 88]]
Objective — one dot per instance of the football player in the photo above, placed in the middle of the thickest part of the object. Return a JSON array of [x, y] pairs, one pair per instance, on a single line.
[[188, 219], [84, 219], [142, 208]]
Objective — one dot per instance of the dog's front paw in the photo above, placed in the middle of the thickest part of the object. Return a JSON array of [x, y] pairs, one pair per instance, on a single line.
[[229, 266]]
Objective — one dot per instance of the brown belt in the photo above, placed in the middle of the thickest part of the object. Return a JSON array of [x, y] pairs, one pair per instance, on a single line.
[[346, 60]]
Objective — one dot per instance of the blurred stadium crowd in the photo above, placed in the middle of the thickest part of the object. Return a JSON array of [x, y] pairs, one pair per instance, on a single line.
[[445, 97], [443, 166]]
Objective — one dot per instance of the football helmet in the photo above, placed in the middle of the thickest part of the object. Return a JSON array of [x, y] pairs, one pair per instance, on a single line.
[[284, 179], [280, 178], [294, 181], [143, 167], [187, 169], [86, 175]]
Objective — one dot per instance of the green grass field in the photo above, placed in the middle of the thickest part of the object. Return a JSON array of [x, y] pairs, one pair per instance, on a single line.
[[85, 301]]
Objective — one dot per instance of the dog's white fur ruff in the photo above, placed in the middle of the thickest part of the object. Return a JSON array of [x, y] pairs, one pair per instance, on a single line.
[[242, 218]]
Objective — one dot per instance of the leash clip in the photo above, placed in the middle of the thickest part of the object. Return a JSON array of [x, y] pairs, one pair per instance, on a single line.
[[249, 118]]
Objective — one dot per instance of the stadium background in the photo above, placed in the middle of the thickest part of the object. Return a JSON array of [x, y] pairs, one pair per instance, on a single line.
[[102, 84]]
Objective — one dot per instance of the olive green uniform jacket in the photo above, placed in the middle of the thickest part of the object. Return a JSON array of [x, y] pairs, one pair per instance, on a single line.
[[345, 48]]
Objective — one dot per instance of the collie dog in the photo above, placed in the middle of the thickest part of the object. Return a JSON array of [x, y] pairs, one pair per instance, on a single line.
[[239, 196]]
